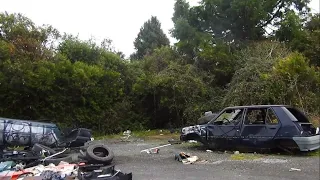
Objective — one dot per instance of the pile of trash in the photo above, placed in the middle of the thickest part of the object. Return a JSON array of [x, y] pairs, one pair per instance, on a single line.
[[64, 170], [41, 162]]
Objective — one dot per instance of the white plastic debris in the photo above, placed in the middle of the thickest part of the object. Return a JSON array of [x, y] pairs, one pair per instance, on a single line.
[[126, 135], [210, 151], [236, 152], [127, 132], [192, 141], [190, 160], [150, 150], [294, 169]]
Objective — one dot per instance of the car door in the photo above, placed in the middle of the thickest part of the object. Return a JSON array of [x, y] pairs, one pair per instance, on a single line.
[[254, 133], [225, 129], [273, 125]]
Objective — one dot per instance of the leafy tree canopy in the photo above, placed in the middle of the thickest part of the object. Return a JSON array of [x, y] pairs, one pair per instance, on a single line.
[[150, 37]]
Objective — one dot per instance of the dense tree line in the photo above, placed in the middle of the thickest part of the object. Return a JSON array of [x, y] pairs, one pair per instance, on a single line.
[[228, 53]]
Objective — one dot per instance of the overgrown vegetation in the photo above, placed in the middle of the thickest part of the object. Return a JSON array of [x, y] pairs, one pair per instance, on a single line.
[[226, 55]]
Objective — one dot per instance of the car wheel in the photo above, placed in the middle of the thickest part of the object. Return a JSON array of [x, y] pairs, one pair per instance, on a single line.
[[99, 153]]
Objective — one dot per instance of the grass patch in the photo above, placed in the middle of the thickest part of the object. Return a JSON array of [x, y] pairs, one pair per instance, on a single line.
[[15, 148], [241, 157], [147, 135], [314, 153], [110, 136], [196, 145]]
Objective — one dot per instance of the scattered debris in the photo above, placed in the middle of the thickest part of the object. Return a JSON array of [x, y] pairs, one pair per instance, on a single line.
[[126, 135], [208, 150], [151, 150], [188, 159], [185, 158], [87, 172], [294, 169], [127, 132], [46, 163], [236, 152], [193, 141], [63, 169], [69, 171], [6, 165]]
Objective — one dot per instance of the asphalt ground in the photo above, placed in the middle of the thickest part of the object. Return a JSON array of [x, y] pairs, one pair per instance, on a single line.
[[218, 165]]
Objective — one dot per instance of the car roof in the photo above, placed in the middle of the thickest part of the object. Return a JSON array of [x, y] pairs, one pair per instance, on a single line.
[[256, 106], [31, 121]]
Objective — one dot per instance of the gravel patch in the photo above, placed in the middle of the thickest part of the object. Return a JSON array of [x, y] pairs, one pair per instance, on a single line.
[[218, 165]]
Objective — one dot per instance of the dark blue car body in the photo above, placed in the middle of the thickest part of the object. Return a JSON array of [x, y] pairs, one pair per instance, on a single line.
[[257, 127]]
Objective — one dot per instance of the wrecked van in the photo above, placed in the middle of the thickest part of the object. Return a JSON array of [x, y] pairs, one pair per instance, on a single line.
[[14, 132], [257, 127]]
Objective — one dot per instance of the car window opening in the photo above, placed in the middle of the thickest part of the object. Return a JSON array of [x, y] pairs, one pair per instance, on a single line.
[[229, 117]]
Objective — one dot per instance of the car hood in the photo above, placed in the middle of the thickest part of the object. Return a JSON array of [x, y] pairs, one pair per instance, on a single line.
[[198, 129]]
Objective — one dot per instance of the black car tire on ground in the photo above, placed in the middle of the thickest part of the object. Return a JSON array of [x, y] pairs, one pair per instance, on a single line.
[[38, 147], [99, 153]]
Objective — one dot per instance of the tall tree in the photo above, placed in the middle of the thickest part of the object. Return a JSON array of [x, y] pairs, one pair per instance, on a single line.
[[312, 51], [301, 34], [233, 21], [150, 37], [301, 38], [186, 30], [246, 19], [26, 40]]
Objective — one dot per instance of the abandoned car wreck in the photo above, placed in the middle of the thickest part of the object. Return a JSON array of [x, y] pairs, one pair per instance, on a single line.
[[257, 127]]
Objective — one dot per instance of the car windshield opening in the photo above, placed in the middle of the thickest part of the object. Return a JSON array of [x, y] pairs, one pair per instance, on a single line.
[[229, 117]]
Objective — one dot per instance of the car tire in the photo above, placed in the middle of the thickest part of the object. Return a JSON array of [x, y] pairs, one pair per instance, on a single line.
[[99, 153], [38, 147]]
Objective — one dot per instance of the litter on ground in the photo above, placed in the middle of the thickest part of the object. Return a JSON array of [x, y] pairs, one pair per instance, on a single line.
[[188, 159]]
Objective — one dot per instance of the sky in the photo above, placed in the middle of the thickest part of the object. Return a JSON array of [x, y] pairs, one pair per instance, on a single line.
[[118, 20]]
